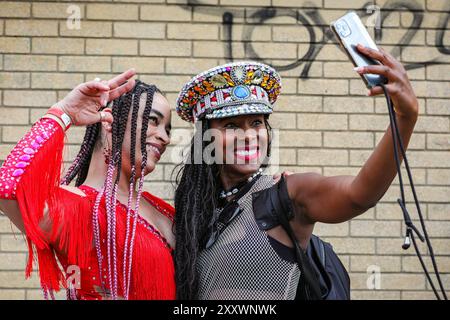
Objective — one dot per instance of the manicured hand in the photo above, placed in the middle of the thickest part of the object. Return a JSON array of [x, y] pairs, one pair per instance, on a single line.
[[82, 104], [398, 86]]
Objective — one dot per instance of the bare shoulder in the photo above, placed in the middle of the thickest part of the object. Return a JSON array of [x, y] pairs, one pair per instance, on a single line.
[[74, 190], [302, 186], [301, 181]]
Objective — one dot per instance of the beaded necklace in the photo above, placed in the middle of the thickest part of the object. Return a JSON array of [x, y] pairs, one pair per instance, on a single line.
[[225, 194]]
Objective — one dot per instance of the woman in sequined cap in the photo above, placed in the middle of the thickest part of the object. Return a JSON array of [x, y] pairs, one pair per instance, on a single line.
[[226, 247], [92, 228]]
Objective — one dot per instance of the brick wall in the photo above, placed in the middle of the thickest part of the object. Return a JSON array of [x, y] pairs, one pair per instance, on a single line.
[[326, 122]]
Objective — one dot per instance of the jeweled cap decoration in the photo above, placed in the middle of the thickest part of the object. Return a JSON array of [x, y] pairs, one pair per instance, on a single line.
[[229, 90]]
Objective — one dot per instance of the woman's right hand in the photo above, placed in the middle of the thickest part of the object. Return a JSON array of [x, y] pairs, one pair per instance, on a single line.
[[84, 101]]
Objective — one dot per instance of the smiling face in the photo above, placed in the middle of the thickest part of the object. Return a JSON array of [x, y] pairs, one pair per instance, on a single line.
[[242, 143], [157, 137]]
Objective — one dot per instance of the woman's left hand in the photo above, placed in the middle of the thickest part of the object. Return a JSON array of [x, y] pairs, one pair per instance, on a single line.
[[398, 86], [277, 176]]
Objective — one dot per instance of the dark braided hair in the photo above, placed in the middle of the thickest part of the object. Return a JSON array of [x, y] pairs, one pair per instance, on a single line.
[[145, 119], [120, 112], [196, 201], [81, 164]]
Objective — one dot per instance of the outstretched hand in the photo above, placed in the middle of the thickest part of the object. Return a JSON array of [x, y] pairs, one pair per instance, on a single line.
[[399, 87], [82, 104]]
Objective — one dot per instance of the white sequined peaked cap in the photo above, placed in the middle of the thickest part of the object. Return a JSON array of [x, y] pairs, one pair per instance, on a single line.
[[229, 90]]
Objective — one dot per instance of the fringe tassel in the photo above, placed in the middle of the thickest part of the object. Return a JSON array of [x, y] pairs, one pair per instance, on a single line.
[[38, 183], [156, 267], [68, 226], [152, 262], [73, 230]]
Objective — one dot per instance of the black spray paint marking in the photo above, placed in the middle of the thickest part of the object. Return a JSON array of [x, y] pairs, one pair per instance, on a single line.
[[309, 18]]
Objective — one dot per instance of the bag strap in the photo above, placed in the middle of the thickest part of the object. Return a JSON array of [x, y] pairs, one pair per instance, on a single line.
[[318, 247], [308, 288], [317, 253]]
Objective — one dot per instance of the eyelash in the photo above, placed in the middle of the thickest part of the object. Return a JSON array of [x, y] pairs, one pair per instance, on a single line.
[[255, 123], [230, 126], [156, 122], [155, 119]]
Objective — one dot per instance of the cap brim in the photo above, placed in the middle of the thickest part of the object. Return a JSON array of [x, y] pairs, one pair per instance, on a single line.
[[239, 110]]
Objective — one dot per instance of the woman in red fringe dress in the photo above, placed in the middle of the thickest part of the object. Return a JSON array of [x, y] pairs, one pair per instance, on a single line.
[[112, 240]]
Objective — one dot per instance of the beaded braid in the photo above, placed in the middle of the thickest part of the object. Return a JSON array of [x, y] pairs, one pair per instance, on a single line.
[[134, 116], [145, 119], [109, 223], [115, 153], [134, 113], [96, 227], [111, 192]]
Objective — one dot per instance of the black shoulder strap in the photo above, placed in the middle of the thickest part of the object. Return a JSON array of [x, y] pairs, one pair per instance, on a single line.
[[308, 288], [317, 248], [316, 252]]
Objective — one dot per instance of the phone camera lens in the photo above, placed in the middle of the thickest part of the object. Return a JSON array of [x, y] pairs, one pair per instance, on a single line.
[[342, 28]]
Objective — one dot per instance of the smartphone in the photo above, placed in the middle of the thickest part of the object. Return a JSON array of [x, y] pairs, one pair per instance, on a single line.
[[350, 31]]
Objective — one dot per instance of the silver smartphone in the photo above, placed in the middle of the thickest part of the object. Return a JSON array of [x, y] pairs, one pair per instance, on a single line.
[[350, 31]]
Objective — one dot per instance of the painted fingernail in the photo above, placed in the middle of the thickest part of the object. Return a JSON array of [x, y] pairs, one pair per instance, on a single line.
[[359, 69]]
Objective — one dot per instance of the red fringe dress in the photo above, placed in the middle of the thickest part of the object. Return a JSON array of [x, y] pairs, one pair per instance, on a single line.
[[31, 176]]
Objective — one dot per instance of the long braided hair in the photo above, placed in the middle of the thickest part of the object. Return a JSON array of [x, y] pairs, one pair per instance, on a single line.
[[196, 201], [122, 107]]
